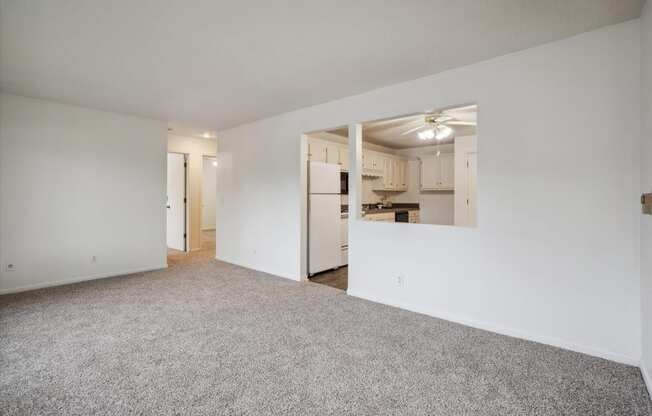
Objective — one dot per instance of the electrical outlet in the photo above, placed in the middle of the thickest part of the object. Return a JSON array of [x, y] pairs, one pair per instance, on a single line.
[[10, 267], [399, 281], [94, 259]]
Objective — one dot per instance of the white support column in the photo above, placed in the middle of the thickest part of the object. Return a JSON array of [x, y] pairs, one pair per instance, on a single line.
[[355, 172]]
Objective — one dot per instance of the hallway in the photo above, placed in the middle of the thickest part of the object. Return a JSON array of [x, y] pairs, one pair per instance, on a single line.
[[206, 252]]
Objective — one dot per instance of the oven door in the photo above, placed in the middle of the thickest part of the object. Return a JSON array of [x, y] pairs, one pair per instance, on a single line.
[[401, 216]]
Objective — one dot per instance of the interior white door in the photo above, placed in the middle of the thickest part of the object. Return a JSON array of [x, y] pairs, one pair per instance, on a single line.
[[471, 188], [176, 193]]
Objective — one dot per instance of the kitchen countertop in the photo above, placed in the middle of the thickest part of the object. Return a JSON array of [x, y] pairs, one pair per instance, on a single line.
[[394, 208]]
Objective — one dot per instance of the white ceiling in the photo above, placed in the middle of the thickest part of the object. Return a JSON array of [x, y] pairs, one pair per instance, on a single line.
[[179, 129], [217, 64]]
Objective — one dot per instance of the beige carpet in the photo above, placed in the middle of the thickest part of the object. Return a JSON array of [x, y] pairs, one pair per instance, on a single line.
[[209, 338]]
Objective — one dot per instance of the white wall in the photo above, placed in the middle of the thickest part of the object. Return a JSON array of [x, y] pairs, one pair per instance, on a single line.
[[208, 195], [78, 183], [556, 255], [646, 186], [196, 149]]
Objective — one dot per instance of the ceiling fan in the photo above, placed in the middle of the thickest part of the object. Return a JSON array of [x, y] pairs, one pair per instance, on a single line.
[[438, 125]]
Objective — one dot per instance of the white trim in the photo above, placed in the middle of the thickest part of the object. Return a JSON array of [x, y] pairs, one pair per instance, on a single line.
[[646, 377], [512, 332], [81, 279], [257, 269]]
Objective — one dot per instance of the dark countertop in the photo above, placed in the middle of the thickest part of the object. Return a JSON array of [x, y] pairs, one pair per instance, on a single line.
[[395, 207]]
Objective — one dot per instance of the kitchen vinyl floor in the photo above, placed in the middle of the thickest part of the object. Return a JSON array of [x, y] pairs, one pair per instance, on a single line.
[[210, 338], [338, 278]]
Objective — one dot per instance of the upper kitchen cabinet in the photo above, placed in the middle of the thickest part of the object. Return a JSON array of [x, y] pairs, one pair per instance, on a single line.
[[447, 176], [371, 163], [344, 158], [317, 151], [437, 172], [320, 150], [400, 174], [333, 153], [388, 174], [387, 171], [393, 174]]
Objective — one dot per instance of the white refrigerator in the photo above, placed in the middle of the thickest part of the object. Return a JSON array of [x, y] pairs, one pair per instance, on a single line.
[[324, 241]]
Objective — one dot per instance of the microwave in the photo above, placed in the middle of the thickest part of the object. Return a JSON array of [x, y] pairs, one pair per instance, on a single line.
[[344, 183]]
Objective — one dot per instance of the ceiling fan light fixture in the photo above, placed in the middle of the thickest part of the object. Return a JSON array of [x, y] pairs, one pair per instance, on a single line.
[[426, 134], [443, 132]]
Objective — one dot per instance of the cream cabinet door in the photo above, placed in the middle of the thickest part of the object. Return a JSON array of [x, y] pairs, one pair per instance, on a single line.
[[404, 175], [430, 172], [447, 168], [399, 168], [344, 158], [377, 162], [316, 151], [367, 161], [388, 173], [332, 153]]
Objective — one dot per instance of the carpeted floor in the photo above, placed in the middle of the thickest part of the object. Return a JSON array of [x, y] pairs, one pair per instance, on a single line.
[[205, 337]]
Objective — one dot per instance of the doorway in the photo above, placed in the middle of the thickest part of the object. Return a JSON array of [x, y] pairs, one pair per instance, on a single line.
[[176, 235], [327, 222]]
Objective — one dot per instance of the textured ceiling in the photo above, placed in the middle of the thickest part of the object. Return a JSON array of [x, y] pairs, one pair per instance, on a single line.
[[216, 64]]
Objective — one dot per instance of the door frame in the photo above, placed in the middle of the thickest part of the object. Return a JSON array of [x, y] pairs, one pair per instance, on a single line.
[[201, 193], [186, 211]]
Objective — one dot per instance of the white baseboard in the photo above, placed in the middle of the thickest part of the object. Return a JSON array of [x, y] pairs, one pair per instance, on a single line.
[[512, 332], [80, 279], [253, 267], [646, 377]]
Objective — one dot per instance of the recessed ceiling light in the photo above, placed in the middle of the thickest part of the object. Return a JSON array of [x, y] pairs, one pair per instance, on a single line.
[[215, 163], [207, 135]]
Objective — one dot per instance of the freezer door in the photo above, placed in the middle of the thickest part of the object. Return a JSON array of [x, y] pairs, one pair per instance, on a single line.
[[324, 178], [324, 233]]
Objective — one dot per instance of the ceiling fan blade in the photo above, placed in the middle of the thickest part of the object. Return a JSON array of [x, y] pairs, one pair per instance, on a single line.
[[460, 123], [394, 124], [444, 118], [466, 108], [412, 130], [395, 119]]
